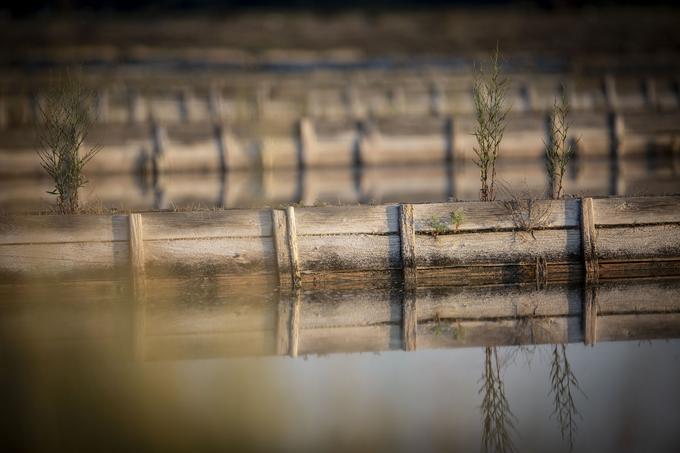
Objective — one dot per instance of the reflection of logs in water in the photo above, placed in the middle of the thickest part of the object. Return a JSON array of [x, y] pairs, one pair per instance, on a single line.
[[223, 321]]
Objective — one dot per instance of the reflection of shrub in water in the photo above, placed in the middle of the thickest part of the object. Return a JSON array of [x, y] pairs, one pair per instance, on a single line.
[[563, 381], [497, 419]]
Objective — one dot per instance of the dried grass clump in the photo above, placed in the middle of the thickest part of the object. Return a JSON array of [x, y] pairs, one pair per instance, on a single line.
[[66, 118], [527, 213]]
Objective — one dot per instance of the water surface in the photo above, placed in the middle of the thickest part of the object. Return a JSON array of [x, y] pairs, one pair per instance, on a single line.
[[209, 377]]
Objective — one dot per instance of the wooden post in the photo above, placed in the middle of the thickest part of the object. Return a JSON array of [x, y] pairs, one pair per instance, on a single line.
[[291, 233], [436, 99], [311, 103], [675, 150], [552, 179], [348, 98], [528, 97], [616, 144], [221, 145], [450, 138], [288, 267], [588, 238], [138, 280], [158, 140], [398, 100], [36, 101], [365, 142], [618, 130], [408, 239], [215, 105], [102, 106], [262, 95], [567, 87], [591, 270], [280, 236], [136, 253], [307, 142], [183, 108], [3, 113], [134, 107], [611, 97], [264, 156], [408, 260], [651, 96]]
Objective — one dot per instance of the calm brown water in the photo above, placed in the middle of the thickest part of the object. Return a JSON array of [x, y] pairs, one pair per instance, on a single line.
[[423, 401], [77, 372], [201, 365]]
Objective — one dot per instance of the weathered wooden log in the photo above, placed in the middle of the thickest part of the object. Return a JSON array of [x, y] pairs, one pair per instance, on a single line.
[[204, 147], [417, 184], [178, 98], [122, 149], [458, 243], [643, 133]]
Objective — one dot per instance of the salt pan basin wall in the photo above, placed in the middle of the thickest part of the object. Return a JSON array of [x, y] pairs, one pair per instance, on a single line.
[[438, 244]]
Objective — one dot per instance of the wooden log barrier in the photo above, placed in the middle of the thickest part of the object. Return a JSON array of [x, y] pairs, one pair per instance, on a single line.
[[202, 147], [180, 99], [461, 243]]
